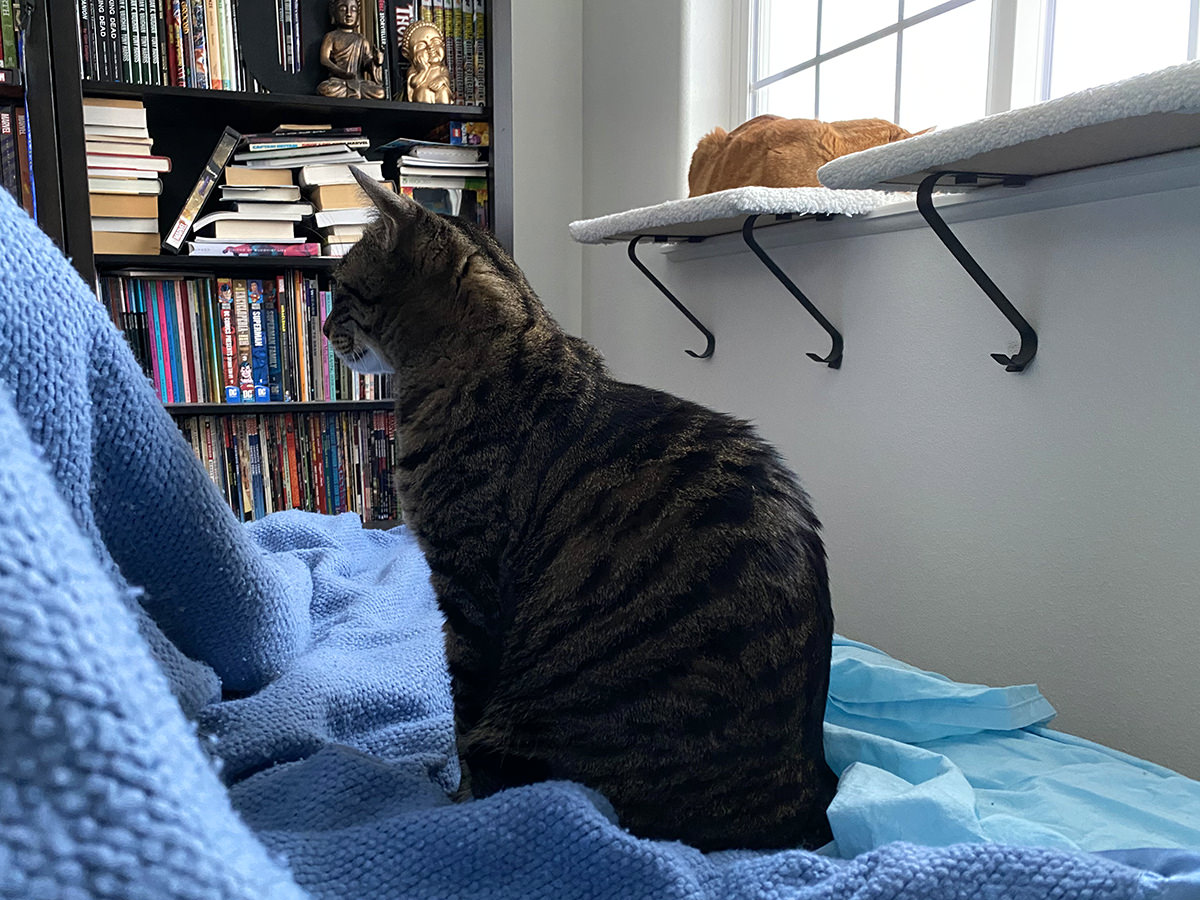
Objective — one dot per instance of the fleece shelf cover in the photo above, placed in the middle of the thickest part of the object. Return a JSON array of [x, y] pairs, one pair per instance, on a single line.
[[1149, 114], [722, 212]]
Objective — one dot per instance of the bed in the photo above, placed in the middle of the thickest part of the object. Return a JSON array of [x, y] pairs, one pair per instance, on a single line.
[[193, 708]]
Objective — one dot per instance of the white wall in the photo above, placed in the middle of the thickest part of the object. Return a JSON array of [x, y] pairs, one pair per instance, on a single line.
[[547, 158], [998, 528]]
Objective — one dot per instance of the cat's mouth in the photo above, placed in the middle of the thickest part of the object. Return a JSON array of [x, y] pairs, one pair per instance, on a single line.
[[364, 360]]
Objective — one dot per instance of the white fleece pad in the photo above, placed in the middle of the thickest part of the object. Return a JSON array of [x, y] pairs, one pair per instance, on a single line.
[[722, 212], [1141, 116]]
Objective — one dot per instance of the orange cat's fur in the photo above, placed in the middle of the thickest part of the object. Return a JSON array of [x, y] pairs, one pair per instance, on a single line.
[[776, 152]]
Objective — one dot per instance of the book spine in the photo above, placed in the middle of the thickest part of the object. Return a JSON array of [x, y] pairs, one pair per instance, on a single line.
[[480, 53], [244, 467], [459, 82], [284, 14], [125, 46], [241, 315], [195, 330], [319, 463], [289, 436], [468, 94], [9, 176], [229, 358], [8, 36], [174, 343], [187, 26], [161, 338], [183, 344], [215, 385], [200, 44], [271, 308], [156, 31], [328, 360], [83, 14], [256, 467], [258, 340], [178, 51], [296, 60], [140, 13], [228, 51], [381, 42], [210, 463], [200, 192], [216, 76]]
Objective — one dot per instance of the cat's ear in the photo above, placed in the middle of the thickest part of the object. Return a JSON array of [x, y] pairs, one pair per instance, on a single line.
[[395, 211]]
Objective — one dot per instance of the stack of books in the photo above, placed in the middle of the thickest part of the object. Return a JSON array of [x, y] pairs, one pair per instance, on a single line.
[[445, 178], [342, 210], [262, 194], [123, 177]]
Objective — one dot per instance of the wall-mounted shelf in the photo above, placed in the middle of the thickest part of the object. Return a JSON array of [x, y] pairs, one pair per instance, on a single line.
[[736, 211], [1147, 115]]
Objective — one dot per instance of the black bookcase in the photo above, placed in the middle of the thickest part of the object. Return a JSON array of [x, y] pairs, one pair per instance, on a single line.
[[186, 123]]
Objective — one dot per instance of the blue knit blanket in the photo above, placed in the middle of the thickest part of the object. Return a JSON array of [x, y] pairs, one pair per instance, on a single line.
[[129, 596]]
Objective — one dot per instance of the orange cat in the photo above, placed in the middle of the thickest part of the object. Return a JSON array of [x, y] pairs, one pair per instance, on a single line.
[[776, 152]]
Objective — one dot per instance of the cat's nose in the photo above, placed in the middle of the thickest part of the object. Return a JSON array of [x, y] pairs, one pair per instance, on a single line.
[[327, 328]]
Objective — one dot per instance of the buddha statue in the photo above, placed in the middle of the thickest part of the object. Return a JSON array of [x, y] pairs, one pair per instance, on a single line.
[[355, 66], [428, 81]]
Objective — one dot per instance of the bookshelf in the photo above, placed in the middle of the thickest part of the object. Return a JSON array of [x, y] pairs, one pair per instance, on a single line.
[[185, 124]]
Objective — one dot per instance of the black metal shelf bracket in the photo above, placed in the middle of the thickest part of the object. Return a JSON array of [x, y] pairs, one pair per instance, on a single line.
[[1029, 341], [708, 335], [834, 359]]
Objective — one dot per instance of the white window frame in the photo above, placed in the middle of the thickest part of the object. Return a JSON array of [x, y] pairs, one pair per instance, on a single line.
[[1019, 59]]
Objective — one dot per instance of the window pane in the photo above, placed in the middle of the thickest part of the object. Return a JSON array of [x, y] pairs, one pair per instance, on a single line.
[[943, 74], [1098, 41], [787, 34], [860, 84], [794, 97], [912, 7], [843, 21]]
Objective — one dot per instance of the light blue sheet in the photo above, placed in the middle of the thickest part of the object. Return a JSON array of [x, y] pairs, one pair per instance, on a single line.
[[924, 759]]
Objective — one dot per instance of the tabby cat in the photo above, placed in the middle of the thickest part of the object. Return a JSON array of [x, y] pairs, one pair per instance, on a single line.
[[634, 587]]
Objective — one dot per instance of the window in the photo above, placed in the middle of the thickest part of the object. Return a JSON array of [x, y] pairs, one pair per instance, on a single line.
[[920, 63]]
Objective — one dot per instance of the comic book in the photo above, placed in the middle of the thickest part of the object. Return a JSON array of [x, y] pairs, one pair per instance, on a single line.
[[258, 340]]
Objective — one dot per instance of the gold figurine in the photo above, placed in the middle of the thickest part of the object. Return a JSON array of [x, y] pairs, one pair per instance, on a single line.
[[424, 47], [355, 66]]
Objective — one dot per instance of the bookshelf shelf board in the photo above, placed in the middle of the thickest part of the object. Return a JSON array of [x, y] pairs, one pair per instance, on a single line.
[[112, 264], [246, 409], [295, 102]]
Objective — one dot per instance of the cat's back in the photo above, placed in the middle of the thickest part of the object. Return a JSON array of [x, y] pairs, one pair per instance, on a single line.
[[675, 626]]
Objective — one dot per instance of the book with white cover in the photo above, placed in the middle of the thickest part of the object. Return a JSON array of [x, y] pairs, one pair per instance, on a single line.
[[360, 216], [267, 213], [446, 152], [253, 230], [254, 210], [293, 162], [129, 161], [284, 193], [130, 148], [119, 132], [105, 185], [418, 162], [106, 172], [289, 152], [133, 225], [102, 111], [313, 175]]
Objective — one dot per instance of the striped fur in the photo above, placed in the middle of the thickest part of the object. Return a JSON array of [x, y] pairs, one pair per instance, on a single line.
[[634, 586]]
